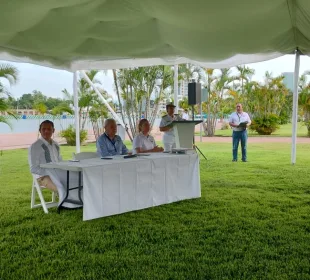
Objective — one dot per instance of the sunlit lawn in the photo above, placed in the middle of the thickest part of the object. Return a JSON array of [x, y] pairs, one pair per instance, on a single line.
[[284, 131], [252, 222]]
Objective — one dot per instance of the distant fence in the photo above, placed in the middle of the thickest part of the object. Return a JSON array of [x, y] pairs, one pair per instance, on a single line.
[[37, 117], [30, 123], [217, 116]]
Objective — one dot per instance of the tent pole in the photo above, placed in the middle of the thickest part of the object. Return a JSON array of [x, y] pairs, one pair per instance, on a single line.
[[201, 117], [176, 87], [76, 112], [295, 107], [106, 103]]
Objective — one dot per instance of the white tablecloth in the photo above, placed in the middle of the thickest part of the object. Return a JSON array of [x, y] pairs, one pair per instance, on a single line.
[[121, 185]]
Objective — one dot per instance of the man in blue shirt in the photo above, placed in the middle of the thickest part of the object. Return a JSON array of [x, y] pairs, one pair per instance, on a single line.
[[110, 144]]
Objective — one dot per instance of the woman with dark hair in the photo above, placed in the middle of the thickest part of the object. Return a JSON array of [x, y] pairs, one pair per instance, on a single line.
[[143, 142]]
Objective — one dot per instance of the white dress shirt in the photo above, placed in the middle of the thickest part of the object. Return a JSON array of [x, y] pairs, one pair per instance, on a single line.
[[237, 118], [40, 152]]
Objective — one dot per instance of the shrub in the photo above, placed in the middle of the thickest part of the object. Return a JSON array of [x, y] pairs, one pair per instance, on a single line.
[[69, 134], [225, 126], [307, 124], [284, 117], [265, 125]]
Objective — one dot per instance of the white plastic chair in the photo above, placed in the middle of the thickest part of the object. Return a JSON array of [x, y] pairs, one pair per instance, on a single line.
[[37, 189], [85, 155]]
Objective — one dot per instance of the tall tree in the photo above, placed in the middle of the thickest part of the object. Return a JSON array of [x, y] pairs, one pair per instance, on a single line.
[[42, 110], [136, 88], [25, 101], [218, 84], [89, 102], [38, 97], [304, 99], [9, 74], [244, 76], [186, 72]]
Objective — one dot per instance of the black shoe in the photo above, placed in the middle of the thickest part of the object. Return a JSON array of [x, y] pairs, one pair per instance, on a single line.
[[234, 160], [244, 160]]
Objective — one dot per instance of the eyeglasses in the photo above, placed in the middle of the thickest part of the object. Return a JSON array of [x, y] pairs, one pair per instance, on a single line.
[[238, 106]]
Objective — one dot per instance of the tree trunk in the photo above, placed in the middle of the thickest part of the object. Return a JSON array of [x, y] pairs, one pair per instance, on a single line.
[[84, 119], [156, 105], [95, 128], [120, 104]]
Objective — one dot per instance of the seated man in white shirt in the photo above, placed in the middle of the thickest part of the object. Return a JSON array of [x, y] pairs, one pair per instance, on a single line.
[[46, 150]]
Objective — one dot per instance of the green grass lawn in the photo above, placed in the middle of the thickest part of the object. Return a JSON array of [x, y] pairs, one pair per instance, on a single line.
[[252, 222], [284, 131]]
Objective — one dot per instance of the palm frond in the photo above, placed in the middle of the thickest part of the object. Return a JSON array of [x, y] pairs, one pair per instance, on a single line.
[[3, 105], [9, 72], [12, 114], [60, 109], [4, 120], [67, 96], [307, 73], [3, 90]]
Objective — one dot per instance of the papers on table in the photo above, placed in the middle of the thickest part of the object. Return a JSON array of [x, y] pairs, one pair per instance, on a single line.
[[182, 151]]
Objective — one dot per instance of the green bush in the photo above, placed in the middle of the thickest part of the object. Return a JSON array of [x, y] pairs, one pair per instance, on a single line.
[[225, 126], [265, 125], [69, 134], [307, 124], [284, 117]]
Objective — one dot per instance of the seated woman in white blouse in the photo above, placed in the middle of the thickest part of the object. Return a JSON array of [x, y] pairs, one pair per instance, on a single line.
[[143, 142]]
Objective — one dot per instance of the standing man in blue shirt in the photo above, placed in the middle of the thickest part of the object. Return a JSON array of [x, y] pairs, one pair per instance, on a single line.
[[110, 144]]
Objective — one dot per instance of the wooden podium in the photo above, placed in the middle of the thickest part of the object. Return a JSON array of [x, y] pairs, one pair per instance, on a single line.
[[184, 132]]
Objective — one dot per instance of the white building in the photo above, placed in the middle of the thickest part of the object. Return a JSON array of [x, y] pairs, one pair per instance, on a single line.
[[183, 89], [289, 80]]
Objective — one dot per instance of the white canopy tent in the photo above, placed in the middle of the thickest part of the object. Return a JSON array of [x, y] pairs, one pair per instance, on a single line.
[[105, 34]]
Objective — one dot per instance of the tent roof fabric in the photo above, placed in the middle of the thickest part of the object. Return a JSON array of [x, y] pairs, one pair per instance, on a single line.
[[88, 34]]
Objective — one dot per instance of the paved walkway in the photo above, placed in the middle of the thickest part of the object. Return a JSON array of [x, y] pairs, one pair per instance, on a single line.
[[255, 139], [24, 140]]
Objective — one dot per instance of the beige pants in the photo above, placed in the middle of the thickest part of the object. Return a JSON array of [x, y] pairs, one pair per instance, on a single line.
[[46, 182]]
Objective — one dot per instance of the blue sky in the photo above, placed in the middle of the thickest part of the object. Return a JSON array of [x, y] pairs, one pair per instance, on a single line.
[[51, 82]]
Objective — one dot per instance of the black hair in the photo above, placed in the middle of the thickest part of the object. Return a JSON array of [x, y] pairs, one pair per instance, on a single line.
[[46, 122]]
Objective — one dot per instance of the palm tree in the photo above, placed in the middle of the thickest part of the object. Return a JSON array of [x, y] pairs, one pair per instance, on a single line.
[[136, 88], [266, 101], [88, 99], [304, 99], [41, 109], [218, 87], [244, 75], [10, 74], [190, 71], [4, 108], [184, 103]]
